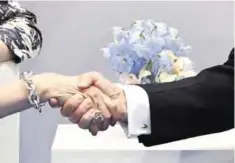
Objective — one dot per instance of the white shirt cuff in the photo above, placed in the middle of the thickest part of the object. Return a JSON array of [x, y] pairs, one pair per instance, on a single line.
[[138, 111]]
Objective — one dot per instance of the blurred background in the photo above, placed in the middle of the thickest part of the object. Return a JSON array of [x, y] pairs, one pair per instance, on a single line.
[[74, 32]]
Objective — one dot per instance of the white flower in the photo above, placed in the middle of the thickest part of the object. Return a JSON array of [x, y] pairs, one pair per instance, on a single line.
[[187, 63], [166, 61], [187, 74], [161, 29], [135, 36], [173, 32], [165, 77], [117, 33], [105, 52], [137, 25], [178, 65], [144, 73], [166, 52], [125, 78]]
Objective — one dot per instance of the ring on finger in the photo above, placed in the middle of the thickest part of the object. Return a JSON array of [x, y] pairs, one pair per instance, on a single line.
[[98, 117]]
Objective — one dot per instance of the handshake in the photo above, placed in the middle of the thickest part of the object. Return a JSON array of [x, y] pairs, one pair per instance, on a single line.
[[89, 100]]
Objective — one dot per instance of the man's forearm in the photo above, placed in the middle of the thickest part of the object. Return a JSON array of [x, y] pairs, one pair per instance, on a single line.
[[5, 53], [192, 107], [176, 107]]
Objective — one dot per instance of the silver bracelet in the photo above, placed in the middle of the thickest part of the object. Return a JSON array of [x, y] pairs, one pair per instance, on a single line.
[[33, 97]]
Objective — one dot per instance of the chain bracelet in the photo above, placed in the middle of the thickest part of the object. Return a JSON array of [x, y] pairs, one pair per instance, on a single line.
[[33, 97]]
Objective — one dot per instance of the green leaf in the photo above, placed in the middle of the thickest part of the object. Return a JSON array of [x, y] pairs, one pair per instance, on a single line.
[[142, 34], [132, 24], [149, 65]]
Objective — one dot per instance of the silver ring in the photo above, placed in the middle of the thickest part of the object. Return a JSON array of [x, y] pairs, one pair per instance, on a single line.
[[98, 117]]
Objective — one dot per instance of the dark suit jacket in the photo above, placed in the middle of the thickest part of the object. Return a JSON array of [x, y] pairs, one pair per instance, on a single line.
[[192, 107]]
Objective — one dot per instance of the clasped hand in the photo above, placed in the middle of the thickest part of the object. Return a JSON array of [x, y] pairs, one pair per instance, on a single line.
[[94, 97]]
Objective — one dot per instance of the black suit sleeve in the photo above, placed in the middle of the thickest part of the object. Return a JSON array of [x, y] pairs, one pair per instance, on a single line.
[[192, 107]]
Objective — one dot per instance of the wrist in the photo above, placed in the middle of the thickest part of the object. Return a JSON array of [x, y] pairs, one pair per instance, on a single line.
[[121, 107], [42, 87]]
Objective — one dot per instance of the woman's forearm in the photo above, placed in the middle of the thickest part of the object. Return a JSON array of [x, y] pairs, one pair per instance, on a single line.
[[13, 98]]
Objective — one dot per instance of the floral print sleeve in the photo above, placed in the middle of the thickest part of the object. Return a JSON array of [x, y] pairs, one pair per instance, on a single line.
[[18, 31]]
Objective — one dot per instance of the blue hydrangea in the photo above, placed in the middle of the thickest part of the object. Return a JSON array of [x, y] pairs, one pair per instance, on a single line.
[[121, 57], [138, 64], [155, 66], [135, 48], [165, 63]]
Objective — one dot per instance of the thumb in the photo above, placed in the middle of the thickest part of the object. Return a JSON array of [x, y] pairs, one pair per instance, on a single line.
[[53, 102], [107, 87], [88, 79]]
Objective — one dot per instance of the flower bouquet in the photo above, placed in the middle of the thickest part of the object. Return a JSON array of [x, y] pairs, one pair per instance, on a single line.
[[148, 52]]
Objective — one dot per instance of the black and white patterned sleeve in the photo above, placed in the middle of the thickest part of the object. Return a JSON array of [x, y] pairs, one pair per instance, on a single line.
[[18, 31]]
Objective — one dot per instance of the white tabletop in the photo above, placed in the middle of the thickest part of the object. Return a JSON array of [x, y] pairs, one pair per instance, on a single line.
[[9, 126], [71, 143], [70, 137]]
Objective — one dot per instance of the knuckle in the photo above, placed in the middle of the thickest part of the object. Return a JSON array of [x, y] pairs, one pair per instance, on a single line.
[[93, 91], [76, 114], [72, 104], [79, 97], [107, 116], [95, 95], [111, 104], [113, 107], [92, 113], [70, 107], [89, 103]]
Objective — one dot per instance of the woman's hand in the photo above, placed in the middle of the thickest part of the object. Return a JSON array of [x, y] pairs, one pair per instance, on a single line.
[[52, 85], [59, 88]]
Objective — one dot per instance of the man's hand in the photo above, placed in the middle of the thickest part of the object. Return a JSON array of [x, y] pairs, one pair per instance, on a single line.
[[103, 96]]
